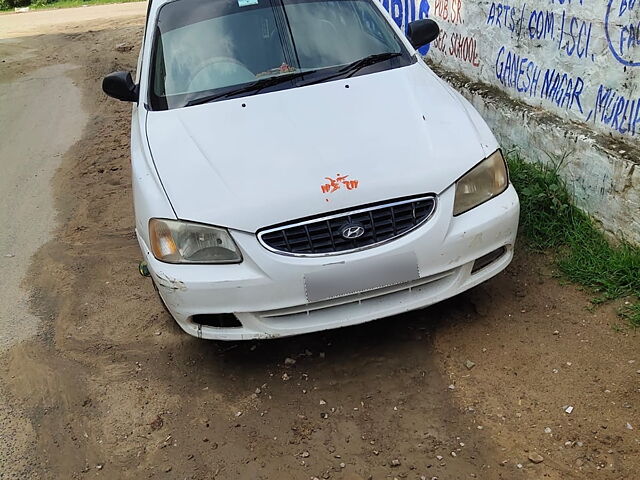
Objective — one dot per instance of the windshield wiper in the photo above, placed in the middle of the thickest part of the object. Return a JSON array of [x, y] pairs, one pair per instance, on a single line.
[[253, 87], [351, 69], [354, 67]]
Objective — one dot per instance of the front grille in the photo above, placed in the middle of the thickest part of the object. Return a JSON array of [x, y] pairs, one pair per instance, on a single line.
[[324, 236]]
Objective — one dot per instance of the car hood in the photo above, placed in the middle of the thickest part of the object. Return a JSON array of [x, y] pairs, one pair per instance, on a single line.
[[257, 161]]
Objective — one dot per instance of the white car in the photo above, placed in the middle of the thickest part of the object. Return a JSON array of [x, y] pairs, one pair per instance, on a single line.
[[298, 167]]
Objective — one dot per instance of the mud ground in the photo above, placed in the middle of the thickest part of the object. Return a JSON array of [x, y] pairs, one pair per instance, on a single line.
[[109, 387]]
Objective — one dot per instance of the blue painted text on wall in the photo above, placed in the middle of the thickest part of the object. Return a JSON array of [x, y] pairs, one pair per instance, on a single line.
[[616, 111]]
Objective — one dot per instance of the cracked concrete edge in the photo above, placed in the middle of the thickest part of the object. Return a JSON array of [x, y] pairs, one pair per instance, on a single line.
[[601, 170]]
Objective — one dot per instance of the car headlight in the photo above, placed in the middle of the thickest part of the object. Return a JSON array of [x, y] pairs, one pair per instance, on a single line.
[[174, 241], [483, 182]]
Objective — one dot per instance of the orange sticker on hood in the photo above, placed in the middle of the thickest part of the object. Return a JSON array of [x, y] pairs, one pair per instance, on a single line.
[[337, 183]]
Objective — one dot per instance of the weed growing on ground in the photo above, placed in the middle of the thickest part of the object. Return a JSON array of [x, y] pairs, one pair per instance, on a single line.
[[632, 313], [549, 220]]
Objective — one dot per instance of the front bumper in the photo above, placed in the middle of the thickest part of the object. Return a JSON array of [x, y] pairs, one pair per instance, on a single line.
[[267, 291]]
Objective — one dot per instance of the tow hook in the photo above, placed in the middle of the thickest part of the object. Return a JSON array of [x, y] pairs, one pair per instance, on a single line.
[[143, 268]]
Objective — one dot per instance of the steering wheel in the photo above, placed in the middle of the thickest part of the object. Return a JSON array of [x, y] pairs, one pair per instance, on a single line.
[[232, 72]]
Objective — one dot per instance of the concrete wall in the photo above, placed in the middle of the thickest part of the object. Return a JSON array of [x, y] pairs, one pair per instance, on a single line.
[[558, 79]]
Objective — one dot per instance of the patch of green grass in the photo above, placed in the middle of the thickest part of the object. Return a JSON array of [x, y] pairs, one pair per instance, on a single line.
[[46, 4], [550, 221], [76, 3], [547, 214]]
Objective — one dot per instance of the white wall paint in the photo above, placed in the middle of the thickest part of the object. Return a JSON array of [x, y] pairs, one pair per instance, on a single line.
[[579, 59]]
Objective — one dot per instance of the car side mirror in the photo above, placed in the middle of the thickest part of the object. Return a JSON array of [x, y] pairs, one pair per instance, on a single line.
[[120, 85], [422, 32]]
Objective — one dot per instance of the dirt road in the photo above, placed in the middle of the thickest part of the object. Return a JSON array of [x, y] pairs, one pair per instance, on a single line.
[[106, 386]]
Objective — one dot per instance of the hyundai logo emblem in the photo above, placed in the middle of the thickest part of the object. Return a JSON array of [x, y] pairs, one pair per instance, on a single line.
[[352, 231]]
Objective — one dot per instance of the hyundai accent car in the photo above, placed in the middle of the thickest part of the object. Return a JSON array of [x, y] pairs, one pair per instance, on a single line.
[[297, 167]]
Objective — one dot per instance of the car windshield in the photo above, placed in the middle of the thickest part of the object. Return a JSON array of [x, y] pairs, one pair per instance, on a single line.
[[206, 50]]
